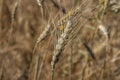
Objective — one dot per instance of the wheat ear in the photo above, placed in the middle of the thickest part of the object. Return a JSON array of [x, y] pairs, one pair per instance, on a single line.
[[72, 13], [15, 10], [42, 36], [104, 31], [40, 2], [61, 42]]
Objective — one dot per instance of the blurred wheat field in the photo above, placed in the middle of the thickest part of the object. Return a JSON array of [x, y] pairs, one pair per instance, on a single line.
[[60, 39]]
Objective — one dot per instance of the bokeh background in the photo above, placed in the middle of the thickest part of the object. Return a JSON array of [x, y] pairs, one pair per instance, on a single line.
[[18, 38]]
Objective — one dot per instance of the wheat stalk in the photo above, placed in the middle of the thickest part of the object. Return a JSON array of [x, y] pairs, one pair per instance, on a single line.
[[105, 33], [1, 8], [35, 57], [1, 71]]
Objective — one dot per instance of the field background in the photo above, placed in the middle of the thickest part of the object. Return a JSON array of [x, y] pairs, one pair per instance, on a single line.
[[18, 38]]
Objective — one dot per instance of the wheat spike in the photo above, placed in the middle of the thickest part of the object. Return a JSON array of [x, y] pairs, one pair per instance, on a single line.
[[40, 2], [15, 10], [71, 14], [35, 57], [60, 46], [103, 29], [42, 36]]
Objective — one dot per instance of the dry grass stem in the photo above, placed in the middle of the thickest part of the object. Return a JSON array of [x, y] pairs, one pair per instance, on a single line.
[[35, 57], [1, 8], [91, 54], [1, 72], [58, 6]]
